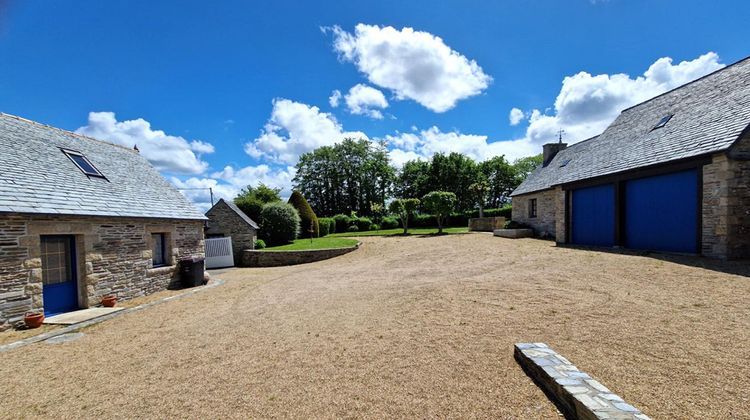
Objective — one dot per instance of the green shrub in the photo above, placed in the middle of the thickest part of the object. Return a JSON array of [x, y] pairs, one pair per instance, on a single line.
[[342, 222], [309, 226], [326, 226], [506, 211], [259, 244], [363, 224], [375, 226], [422, 220], [389, 223], [280, 223], [251, 206], [352, 228]]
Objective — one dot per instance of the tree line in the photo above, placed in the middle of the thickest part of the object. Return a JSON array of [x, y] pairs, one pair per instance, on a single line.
[[354, 175]]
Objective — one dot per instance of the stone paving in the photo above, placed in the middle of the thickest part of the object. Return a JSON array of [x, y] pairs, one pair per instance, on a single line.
[[574, 391]]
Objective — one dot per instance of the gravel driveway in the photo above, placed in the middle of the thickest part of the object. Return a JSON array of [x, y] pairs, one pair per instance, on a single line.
[[409, 327]]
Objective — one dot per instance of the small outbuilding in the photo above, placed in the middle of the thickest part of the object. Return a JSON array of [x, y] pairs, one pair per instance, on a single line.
[[225, 219], [669, 174], [81, 219]]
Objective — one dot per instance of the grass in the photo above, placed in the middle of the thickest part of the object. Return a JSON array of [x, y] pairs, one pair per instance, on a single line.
[[317, 243], [399, 231]]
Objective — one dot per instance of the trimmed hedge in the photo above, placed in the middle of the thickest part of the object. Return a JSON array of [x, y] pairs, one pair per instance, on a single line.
[[259, 244], [309, 225], [389, 223], [352, 228], [327, 226], [363, 223], [342, 222]]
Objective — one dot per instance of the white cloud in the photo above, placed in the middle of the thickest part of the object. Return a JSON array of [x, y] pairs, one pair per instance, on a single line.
[[425, 143], [334, 99], [295, 128], [228, 182], [413, 64], [587, 104], [172, 154], [516, 116], [361, 100]]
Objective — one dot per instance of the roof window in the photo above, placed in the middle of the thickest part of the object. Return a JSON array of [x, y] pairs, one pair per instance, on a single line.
[[663, 121], [565, 163], [82, 163]]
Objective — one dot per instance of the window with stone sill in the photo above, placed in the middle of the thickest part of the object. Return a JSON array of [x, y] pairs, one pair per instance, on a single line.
[[158, 249]]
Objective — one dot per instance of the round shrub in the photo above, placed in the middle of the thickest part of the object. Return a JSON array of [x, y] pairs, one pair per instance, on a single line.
[[250, 206], [389, 223], [352, 228], [259, 244], [363, 224], [280, 223], [308, 220], [375, 226], [341, 221]]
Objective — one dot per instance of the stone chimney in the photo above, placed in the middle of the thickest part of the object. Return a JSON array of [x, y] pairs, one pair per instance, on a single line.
[[549, 151]]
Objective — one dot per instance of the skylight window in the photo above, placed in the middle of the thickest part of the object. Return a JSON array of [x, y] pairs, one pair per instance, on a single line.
[[662, 122], [83, 163], [565, 163]]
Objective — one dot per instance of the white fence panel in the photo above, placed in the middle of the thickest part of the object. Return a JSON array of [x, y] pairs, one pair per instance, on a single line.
[[219, 252]]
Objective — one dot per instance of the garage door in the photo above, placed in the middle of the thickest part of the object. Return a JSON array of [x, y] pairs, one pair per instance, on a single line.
[[593, 216], [661, 212]]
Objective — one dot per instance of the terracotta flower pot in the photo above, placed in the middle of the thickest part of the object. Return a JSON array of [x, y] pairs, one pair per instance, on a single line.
[[33, 320], [109, 301]]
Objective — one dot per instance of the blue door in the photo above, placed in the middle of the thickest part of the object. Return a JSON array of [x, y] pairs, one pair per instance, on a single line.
[[60, 290], [661, 212], [593, 216]]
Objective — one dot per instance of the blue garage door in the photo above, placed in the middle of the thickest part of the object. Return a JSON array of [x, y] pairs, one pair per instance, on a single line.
[[661, 212], [593, 216]]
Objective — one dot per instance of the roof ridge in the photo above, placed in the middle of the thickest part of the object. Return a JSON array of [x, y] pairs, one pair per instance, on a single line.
[[72, 133], [687, 83]]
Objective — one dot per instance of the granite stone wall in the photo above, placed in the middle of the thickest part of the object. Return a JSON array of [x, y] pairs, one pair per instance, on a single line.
[[486, 224], [113, 257], [223, 221], [544, 224], [251, 258]]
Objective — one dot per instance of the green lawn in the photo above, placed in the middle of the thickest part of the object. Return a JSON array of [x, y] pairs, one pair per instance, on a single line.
[[399, 231], [317, 243]]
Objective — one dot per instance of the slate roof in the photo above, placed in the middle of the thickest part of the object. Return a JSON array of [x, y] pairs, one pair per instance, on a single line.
[[37, 177], [237, 210], [710, 114]]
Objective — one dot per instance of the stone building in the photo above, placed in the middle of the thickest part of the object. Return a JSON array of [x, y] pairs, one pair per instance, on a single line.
[[81, 219], [225, 219], [670, 174]]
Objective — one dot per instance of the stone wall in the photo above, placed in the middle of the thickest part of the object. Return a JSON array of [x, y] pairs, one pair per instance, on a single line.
[[251, 258], [113, 256], [225, 222], [546, 211], [486, 224]]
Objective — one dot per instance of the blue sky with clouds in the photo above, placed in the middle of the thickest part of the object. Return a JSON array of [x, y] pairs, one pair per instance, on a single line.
[[229, 93]]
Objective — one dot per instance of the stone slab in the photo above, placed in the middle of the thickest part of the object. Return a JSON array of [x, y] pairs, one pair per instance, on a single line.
[[513, 233], [64, 338], [70, 318], [572, 390]]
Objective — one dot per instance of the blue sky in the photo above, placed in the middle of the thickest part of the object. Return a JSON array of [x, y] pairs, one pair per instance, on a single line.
[[230, 94]]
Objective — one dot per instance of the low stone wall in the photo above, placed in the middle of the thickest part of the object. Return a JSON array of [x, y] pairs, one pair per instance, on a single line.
[[486, 224], [513, 233], [578, 394], [255, 258]]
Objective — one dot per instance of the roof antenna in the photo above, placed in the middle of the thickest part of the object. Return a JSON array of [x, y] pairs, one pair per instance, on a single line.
[[559, 136], [135, 147]]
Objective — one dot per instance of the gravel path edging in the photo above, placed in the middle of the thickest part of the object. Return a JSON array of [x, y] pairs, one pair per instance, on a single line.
[[577, 393], [84, 324]]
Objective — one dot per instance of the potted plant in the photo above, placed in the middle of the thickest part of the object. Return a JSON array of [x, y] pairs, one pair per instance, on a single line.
[[33, 319], [109, 301]]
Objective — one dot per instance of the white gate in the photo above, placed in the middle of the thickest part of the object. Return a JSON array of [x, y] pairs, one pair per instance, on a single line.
[[219, 252]]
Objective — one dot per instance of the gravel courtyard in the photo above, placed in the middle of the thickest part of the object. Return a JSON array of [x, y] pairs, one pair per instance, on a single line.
[[409, 327]]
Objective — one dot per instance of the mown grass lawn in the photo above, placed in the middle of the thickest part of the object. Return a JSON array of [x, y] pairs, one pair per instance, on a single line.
[[399, 231], [317, 243]]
